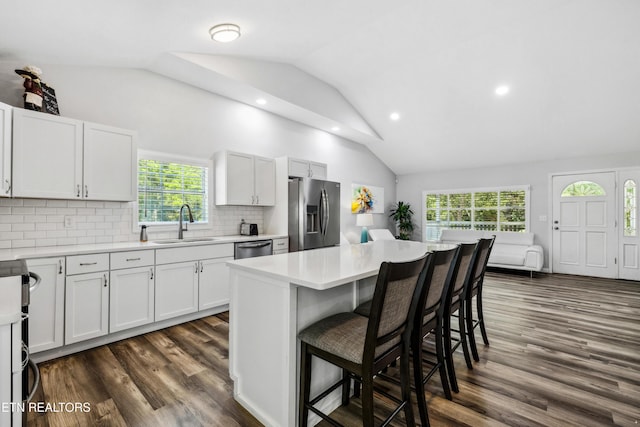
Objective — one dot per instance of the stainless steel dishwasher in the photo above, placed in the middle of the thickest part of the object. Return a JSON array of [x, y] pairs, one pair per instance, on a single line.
[[253, 249]]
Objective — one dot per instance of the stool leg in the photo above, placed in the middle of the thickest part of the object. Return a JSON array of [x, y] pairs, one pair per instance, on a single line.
[[441, 360], [405, 383], [305, 385], [416, 351], [367, 401], [483, 331], [463, 335], [448, 354], [470, 334], [346, 387]]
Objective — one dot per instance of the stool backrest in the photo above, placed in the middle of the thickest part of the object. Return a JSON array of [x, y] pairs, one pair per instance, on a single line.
[[444, 266], [467, 255], [484, 250], [394, 301]]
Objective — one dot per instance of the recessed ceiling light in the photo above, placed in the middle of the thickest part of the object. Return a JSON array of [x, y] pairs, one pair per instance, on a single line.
[[224, 33], [335, 128], [394, 116], [502, 90], [261, 101]]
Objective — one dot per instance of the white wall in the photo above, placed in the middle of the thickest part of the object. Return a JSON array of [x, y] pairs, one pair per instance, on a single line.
[[537, 175], [177, 118]]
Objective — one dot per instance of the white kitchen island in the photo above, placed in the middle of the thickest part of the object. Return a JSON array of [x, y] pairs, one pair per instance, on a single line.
[[274, 297]]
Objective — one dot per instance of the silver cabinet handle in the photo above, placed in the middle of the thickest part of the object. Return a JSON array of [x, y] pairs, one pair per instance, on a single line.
[[6, 181], [88, 263], [86, 191], [59, 266], [201, 266], [133, 259], [151, 271], [196, 268], [257, 200], [105, 280], [78, 190]]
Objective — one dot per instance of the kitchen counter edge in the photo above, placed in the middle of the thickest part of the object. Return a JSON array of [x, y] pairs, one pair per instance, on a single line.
[[65, 250]]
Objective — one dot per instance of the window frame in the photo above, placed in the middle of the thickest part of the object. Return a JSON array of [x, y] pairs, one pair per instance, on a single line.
[[174, 158], [527, 202]]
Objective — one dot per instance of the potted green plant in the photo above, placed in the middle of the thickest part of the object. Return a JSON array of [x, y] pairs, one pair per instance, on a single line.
[[402, 214]]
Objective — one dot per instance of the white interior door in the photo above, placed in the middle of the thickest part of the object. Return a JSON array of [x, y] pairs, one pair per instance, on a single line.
[[629, 235], [585, 241]]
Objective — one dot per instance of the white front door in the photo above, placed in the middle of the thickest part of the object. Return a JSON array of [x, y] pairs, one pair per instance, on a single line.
[[629, 249], [585, 241]]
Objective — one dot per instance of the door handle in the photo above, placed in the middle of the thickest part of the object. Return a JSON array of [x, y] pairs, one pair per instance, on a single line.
[[86, 191], [151, 273], [8, 186], [556, 228], [105, 280]]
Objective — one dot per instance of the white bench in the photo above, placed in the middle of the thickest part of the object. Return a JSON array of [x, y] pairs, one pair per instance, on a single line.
[[510, 249]]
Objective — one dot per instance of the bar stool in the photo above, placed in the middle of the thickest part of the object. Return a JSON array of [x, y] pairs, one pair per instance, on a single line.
[[429, 320], [475, 290], [455, 303], [363, 346]]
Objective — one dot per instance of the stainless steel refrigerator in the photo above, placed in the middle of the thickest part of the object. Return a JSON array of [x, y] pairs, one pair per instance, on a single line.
[[314, 213]]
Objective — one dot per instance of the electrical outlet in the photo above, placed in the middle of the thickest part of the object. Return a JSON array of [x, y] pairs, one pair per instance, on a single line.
[[69, 222]]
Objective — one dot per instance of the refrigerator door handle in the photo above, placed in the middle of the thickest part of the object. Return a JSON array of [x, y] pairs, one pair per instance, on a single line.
[[324, 214]]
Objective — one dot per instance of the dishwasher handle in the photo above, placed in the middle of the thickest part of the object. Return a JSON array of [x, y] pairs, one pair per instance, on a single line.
[[254, 245]]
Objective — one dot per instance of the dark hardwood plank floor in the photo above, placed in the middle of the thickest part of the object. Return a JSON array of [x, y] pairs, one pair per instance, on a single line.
[[565, 351]]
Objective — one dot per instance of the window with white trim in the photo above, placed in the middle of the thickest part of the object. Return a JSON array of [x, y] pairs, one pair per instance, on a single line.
[[486, 209], [166, 183]]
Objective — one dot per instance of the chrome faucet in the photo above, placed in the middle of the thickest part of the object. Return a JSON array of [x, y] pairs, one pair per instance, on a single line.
[[180, 228]]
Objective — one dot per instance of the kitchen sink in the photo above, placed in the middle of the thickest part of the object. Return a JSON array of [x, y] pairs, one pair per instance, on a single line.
[[189, 240]]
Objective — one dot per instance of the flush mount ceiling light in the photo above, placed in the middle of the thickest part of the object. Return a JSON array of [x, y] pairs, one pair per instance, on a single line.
[[394, 116], [502, 90], [224, 33], [261, 101], [335, 128]]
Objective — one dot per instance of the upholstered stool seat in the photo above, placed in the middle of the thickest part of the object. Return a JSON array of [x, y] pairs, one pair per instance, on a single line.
[[342, 335]]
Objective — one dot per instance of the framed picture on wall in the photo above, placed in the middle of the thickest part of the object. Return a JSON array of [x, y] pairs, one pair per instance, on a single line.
[[366, 199]]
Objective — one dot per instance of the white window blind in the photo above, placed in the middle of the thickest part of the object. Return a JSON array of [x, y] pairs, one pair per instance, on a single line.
[[164, 186]]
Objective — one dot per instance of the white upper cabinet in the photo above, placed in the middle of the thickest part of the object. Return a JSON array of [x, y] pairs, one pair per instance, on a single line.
[[110, 169], [61, 158], [307, 169], [5, 150], [47, 155], [243, 179]]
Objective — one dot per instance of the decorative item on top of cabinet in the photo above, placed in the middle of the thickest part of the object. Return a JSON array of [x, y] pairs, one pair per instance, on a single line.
[[86, 297], [307, 169], [61, 158], [244, 179], [46, 307], [5, 149]]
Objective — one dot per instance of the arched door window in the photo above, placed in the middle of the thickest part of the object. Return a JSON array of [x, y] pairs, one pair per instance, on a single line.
[[583, 189], [630, 208]]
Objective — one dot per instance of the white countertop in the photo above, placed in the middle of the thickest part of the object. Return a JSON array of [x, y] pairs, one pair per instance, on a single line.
[[54, 251], [328, 267]]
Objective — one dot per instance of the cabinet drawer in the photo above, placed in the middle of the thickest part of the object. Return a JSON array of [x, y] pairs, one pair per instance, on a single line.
[[131, 259], [281, 244], [78, 264], [193, 253]]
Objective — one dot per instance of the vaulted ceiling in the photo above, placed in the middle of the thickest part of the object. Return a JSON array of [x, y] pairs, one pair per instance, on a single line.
[[572, 66]]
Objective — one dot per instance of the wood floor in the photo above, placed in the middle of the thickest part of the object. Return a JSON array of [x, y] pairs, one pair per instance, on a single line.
[[565, 351]]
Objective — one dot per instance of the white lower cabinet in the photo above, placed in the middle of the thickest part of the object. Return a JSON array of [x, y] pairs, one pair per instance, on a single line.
[[86, 306], [46, 308], [131, 298], [213, 283], [176, 289]]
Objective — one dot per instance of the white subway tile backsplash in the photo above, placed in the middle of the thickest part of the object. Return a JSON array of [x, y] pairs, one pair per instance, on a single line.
[[39, 222], [23, 243], [57, 203], [23, 227], [34, 202]]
